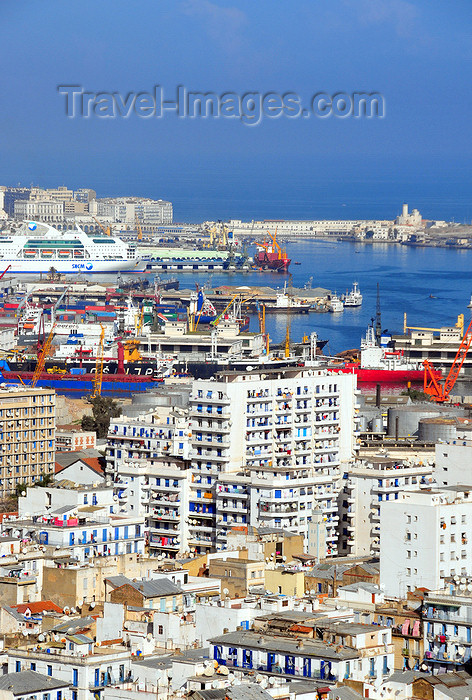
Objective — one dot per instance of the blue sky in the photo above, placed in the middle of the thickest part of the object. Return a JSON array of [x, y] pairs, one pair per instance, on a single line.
[[416, 53]]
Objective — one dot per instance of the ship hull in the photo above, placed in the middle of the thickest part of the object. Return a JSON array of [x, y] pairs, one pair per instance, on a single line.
[[385, 376], [270, 261], [82, 385], [70, 267]]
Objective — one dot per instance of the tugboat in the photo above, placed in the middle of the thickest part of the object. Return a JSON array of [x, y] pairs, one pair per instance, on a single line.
[[270, 256]]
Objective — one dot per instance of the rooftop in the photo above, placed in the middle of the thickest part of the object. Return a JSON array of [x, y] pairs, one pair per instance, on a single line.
[[26, 682]]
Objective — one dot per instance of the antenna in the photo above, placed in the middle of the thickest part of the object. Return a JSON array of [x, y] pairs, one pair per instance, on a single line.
[[378, 318]]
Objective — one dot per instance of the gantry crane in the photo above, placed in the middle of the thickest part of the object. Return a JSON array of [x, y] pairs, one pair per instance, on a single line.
[[98, 376], [441, 392], [44, 352]]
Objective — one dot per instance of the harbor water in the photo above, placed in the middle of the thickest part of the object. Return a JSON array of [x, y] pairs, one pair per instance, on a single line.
[[432, 285]]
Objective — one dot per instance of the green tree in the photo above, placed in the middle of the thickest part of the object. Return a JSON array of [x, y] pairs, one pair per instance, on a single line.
[[103, 410]]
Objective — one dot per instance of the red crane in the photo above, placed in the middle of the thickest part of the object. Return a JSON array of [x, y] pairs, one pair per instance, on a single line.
[[5, 271], [441, 392]]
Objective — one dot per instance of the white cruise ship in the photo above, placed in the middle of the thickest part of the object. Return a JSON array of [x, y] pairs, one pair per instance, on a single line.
[[38, 247]]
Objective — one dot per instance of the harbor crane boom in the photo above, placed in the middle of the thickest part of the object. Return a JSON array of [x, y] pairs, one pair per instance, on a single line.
[[106, 231], [98, 377], [44, 352], [441, 393]]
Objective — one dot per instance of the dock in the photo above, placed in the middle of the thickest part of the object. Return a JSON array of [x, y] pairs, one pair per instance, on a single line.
[[312, 300]]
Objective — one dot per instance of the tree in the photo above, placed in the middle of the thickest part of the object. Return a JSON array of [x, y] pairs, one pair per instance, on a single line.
[[103, 410]]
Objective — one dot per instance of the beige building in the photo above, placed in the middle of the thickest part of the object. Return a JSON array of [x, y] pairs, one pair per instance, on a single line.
[[27, 435], [285, 582], [70, 584], [238, 576]]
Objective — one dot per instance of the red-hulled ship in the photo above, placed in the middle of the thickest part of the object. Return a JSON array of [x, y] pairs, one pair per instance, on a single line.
[[379, 365], [270, 256]]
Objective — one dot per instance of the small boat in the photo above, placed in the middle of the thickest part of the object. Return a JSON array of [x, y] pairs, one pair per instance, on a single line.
[[297, 263]]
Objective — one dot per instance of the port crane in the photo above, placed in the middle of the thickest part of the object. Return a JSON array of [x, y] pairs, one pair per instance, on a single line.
[[98, 376], [44, 352], [139, 230], [459, 324], [107, 230], [441, 392], [289, 316]]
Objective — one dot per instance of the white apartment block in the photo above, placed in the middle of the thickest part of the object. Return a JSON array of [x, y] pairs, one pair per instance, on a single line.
[[27, 435], [69, 532], [425, 539], [149, 436], [283, 435], [366, 484], [452, 462], [159, 492]]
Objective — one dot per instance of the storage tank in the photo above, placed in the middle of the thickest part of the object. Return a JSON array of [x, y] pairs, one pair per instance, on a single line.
[[410, 416], [377, 425], [436, 429]]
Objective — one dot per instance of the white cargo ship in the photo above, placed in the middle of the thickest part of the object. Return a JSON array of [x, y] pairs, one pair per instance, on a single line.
[[37, 247]]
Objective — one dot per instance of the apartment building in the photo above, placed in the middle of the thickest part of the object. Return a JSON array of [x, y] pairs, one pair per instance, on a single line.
[[366, 483], [266, 451], [27, 434], [149, 436], [447, 627], [159, 492], [346, 651], [425, 539], [80, 534]]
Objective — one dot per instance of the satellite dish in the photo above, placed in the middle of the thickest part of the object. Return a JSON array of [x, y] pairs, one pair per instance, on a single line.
[[225, 591], [312, 591], [92, 605], [41, 638], [24, 633], [463, 579]]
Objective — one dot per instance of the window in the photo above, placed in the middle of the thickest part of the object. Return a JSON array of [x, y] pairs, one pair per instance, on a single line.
[[33, 666], [17, 666], [49, 670], [161, 629]]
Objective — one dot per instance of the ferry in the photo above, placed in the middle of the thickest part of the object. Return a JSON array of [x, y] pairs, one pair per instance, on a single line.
[[36, 247]]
